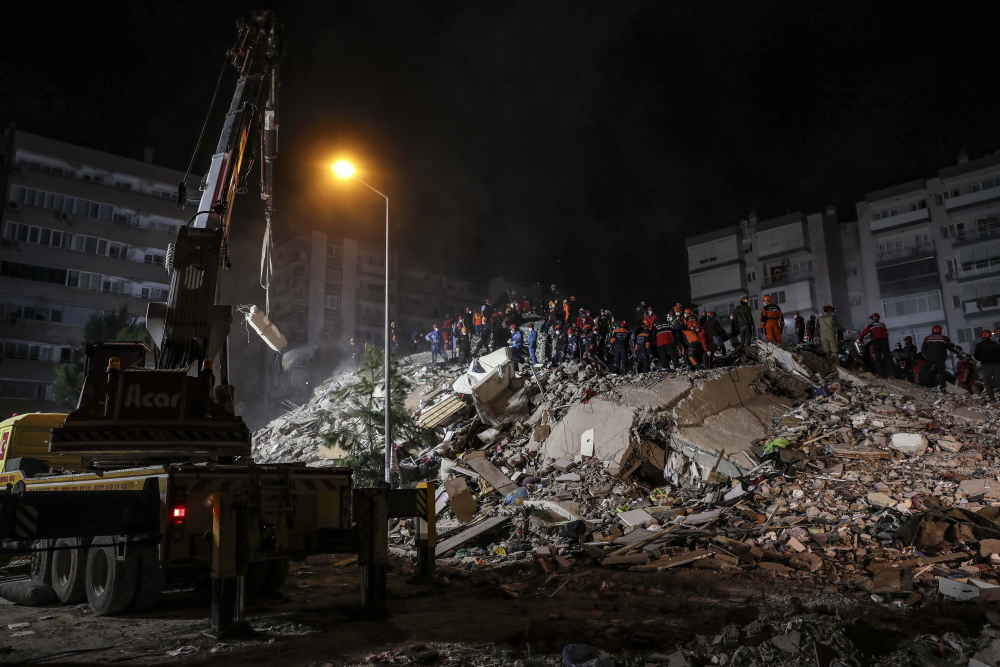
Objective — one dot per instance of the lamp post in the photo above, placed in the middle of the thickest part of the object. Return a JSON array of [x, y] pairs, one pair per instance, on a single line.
[[344, 169]]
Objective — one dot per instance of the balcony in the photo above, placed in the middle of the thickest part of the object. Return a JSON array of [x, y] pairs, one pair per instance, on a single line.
[[972, 199], [990, 230], [987, 305], [901, 220], [777, 278], [378, 296], [893, 254]]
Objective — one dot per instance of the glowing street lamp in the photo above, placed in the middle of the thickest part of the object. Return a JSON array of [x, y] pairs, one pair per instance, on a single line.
[[344, 169]]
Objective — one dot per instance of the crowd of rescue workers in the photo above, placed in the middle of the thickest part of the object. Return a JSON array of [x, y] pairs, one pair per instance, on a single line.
[[685, 337]]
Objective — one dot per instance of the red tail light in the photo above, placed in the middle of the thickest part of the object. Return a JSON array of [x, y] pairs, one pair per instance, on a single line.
[[179, 513]]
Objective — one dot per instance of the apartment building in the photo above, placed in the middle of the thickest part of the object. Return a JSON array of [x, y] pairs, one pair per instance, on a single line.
[[797, 259], [83, 232], [931, 251]]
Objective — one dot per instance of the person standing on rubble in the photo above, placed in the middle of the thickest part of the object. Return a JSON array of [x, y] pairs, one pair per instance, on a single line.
[[800, 327], [559, 346], [640, 312], [772, 321], [694, 351], [641, 350], [467, 319], [649, 320], [744, 322], [828, 331], [464, 346], [909, 354], [935, 350], [811, 329], [707, 340], [666, 345], [573, 344], [620, 339], [434, 338], [565, 313], [532, 343], [516, 343], [716, 331], [477, 322], [880, 344], [987, 353]]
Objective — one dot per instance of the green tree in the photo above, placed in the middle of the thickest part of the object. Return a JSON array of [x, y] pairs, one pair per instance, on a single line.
[[112, 325], [362, 436]]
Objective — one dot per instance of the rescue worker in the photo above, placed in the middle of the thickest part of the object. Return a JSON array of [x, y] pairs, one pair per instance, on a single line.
[[935, 349], [394, 338], [640, 312], [880, 344], [744, 322], [464, 346], [591, 348], [516, 342], [910, 350], [619, 342], [487, 310], [434, 338], [694, 351], [573, 344], [811, 329], [899, 360], [666, 345], [987, 353], [581, 319], [532, 343], [551, 317], [649, 320], [565, 312], [559, 345], [800, 327], [707, 340], [456, 329], [716, 331], [354, 350], [445, 333], [525, 304], [641, 350], [467, 320], [677, 325], [828, 331], [772, 322], [477, 322]]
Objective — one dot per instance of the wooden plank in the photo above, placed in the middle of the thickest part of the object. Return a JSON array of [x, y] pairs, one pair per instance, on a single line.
[[917, 562], [472, 531], [673, 561], [649, 539], [441, 412], [631, 559], [499, 481]]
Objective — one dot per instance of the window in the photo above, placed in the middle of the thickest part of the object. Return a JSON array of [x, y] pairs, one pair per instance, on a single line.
[[956, 301], [301, 308], [751, 274], [21, 389], [754, 303], [988, 184], [154, 292], [333, 302], [777, 297], [299, 335], [333, 277], [854, 298], [945, 196], [120, 218], [890, 249], [17, 231], [888, 213], [84, 280], [918, 205], [123, 185], [301, 281], [911, 304], [41, 274], [801, 269], [334, 251], [952, 266], [155, 259], [923, 242], [116, 250], [851, 269]]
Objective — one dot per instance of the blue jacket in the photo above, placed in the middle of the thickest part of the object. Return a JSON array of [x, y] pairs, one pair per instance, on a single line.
[[516, 339], [532, 337], [434, 337]]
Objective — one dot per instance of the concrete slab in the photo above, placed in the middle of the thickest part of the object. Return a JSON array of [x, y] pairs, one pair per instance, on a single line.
[[612, 424], [660, 396]]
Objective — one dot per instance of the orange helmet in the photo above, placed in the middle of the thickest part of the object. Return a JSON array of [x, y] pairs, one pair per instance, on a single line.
[[767, 298], [687, 311], [875, 316], [936, 329], [744, 300], [986, 333], [692, 323]]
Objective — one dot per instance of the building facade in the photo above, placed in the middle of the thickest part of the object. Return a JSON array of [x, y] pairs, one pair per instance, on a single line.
[[83, 232], [931, 252], [796, 259]]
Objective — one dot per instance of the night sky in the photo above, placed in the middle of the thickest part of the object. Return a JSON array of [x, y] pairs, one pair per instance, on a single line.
[[567, 142]]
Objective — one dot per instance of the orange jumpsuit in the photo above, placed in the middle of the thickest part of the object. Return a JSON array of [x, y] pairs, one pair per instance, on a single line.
[[773, 322]]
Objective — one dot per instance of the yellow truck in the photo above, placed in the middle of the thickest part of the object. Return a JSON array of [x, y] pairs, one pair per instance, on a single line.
[[212, 519]]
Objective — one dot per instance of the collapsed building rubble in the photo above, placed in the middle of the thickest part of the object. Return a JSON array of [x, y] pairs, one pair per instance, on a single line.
[[780, 467]]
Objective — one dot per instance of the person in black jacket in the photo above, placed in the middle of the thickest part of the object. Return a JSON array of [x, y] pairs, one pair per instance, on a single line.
[[935, 350], [987, 353]]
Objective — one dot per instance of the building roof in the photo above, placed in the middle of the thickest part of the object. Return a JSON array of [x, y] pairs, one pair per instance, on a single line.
[[896, 191], [970, 166], [732, 230], [786, 219]]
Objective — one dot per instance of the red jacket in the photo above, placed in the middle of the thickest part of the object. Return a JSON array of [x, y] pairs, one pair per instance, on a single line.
[[877, 330], [650, 321]]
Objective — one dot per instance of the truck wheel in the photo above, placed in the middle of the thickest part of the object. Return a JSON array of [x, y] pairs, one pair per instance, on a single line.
[[256, 575], [110, 582], [277, 571], [41, 563], [149, 578], [69, 571]]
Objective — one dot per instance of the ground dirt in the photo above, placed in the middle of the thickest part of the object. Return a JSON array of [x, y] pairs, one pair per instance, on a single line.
[[471, 620]]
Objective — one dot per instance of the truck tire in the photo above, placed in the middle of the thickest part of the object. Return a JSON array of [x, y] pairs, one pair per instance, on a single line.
[[277, 571], [41, 563], [254, 582], [149, 578], [69, 570], [110, 582]]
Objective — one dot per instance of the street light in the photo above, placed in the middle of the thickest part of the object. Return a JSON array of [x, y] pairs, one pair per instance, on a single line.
[[344, 169]]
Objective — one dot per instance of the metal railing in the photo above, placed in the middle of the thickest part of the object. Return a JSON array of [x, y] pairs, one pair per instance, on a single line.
[[783, 277], [901, 252], [987, 231]]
